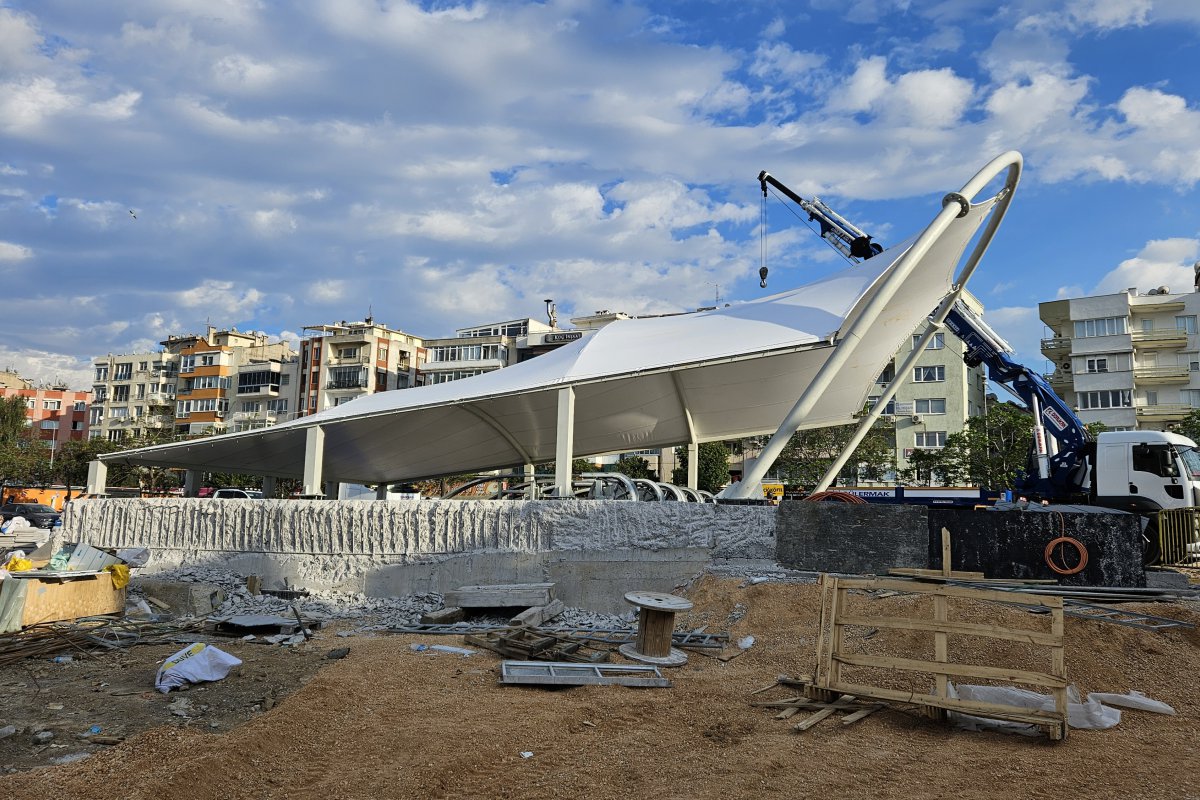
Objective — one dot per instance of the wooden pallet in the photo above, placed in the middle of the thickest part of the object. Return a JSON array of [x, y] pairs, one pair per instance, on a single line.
[[527, 644]]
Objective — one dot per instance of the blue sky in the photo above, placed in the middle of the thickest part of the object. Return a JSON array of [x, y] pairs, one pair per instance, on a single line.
[[442, 165]]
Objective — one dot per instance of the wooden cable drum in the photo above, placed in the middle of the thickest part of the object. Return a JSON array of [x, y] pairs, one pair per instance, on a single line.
[[656, 624]]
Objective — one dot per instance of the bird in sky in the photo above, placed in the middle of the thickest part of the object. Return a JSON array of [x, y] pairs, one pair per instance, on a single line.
[[132, 214]]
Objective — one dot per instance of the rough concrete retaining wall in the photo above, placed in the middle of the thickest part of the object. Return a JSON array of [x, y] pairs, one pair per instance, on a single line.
[[397, 548], [851, 538], [1012, 544]]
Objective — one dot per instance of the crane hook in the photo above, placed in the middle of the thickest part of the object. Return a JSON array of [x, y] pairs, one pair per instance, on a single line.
[[762, 277]]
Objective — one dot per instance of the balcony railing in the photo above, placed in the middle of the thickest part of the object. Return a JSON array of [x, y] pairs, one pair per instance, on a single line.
[[1163, 338], [357, 383], [1164, 411], [1056, 345], [1171, 374]]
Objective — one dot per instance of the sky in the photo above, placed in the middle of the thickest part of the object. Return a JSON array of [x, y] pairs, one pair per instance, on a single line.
[[266, 165]]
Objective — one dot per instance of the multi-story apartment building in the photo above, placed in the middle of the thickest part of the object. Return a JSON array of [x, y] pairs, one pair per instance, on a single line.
[[133, 392], [188, 385], [342, 361], [55, 413], [1128, 360], [938, 398], [265, 392], [485, 348]]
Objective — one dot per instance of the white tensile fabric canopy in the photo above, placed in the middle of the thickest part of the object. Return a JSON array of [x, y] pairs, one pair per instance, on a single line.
[[638, 384]]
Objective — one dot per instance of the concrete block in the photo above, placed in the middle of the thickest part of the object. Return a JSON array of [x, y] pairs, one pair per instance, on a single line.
[[851, 538], [185, 599]]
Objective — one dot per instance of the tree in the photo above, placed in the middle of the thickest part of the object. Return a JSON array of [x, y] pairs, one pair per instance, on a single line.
[[14, 423], [1189, 426], [712, 466], [809, 454], [72, 458], [635, 467], [989, 452]]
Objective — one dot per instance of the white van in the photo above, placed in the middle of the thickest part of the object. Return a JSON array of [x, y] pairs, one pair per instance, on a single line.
[[237, 494]]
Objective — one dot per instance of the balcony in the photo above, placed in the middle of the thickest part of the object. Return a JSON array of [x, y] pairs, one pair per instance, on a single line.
[[1056, 347], [357, 383], [348, 361], [1159, 339], [261, 390], [1060, 380], [1163, 412], [1160, 375]]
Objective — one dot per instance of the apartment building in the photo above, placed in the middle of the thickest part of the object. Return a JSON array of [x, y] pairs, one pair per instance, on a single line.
[[264, 393], [1130, 360], [339, 362], [486, 348], [938, 398], [188, 385], [55, 413]]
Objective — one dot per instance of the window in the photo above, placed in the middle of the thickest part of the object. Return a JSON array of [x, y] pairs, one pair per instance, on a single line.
[[381, 380], [1151, 398], [101, 374], [77, 425], [890, 408], [120, 394], [49, 424], [278, 406], [140, 390], [1186, 324], [80, 405], [347, 378], [187, 364], [929, 374], [119, 413], [467, 352], [1191, 397], [1147, 324], [927, 440], [143, 366], [1105, 326], [1097, 365], [116, 435], [930, 405], [453, 375], [348, 352], [936, 343], [252, 407], [258, 381], [97, 415], [123, 372], [285, 379], [207, 360], [383, 353], [1117, 398], [52, 405]]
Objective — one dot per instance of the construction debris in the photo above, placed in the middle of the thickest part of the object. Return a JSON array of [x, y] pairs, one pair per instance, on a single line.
[[539, 673], [529, 643]]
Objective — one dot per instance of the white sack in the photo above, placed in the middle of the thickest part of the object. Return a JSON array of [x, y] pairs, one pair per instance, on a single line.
[[193, 664]]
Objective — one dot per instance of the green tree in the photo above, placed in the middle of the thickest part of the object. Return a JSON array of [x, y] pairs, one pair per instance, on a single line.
[[809, 454], [72, 458], [14, 424], [1189, 426], [989, 452], [635, 467], [712, 466]]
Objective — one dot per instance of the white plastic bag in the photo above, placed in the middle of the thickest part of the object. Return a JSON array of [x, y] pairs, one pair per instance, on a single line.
[[1090, 715], [1134, 699], [193, 664]]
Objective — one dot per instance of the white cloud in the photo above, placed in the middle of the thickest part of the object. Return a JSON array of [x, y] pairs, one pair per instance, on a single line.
[[1110, 14], [1163, 262], [45, 367], [25, 104], [14, 252], [327, 291], [19, 41], [116, 108], [864, 88], [221, 299], [273, 222]]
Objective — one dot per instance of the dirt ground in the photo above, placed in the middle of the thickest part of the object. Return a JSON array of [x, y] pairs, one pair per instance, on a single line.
[[389, 722]]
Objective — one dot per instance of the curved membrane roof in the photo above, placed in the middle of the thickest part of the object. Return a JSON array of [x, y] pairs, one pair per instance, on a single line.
[[639, 384]]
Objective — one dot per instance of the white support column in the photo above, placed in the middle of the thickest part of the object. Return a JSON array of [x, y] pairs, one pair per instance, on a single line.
[[564, 443], [314, 458], [531, 481], [97, 479], [191, 483], [693, 456], [270, 487]]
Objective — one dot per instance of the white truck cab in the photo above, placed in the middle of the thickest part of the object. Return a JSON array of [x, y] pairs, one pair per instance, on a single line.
[[1146, 471]]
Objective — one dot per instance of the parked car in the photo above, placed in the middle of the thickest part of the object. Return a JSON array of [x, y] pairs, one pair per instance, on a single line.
[[237, 494], [36, 514]]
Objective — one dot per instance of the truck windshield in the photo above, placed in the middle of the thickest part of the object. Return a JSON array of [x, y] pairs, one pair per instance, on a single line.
[[1191, 460]]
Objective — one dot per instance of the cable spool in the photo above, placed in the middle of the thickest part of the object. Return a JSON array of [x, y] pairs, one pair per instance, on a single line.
[[1061, 566]]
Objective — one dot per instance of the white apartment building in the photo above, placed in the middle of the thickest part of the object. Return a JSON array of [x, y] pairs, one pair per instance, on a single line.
[[265, 392], [486, 348], [1129, 360], [345, 360], [189, 385]]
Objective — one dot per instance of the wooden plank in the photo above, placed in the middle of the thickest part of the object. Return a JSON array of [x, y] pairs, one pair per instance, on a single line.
[[54, 601], [941, 649], [950, 626], [957, 670], [1024, 598], [833, 671], [850, 719], [992, 710], [508, 595], [809, 721], [945, 552], [915, 572]]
